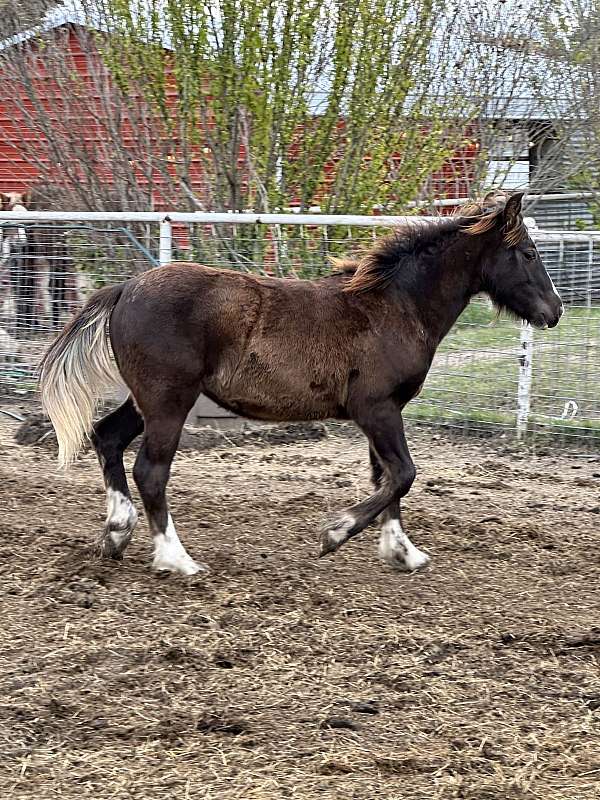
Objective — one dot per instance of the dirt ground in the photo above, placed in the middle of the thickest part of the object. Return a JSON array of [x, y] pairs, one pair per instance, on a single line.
[[284, 676]]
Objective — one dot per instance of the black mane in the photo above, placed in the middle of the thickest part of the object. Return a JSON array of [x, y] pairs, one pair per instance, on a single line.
[[402, 249]]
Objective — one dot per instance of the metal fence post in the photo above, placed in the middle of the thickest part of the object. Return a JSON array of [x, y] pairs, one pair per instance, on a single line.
[[165, 244], [525, 374]]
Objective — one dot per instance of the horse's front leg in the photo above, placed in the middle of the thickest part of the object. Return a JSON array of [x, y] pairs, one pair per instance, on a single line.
[[385, 431], [395, 548]]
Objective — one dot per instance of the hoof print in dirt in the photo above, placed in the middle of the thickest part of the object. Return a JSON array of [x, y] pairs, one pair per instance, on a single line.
[[359, 707], [338, 723], [257, 435], [226, 727]]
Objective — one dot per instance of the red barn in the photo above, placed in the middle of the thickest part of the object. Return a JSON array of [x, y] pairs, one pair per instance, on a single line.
[[57, 102], [61, 121]]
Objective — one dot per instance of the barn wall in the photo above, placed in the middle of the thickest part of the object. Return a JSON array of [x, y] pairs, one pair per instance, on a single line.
[[18, 173], [81, 111]]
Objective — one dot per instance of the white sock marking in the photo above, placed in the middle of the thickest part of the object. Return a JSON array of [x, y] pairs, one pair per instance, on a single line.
[[121, 516], [338, 534], [171, 555], [396, 549]]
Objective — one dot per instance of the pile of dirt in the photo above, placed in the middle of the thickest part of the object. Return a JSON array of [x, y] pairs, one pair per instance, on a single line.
[[36, 429], [252, 435]]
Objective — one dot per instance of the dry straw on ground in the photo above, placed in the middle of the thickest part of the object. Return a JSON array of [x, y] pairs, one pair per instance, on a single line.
[[284, 676]]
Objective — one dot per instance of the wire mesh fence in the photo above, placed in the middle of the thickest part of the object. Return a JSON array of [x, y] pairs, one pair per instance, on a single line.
[[490, 374], [46, 272]]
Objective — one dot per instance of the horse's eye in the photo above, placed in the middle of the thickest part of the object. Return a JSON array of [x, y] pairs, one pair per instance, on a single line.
[[530, 255]]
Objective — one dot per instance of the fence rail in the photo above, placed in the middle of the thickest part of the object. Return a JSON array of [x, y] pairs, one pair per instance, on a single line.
[[488, 374]]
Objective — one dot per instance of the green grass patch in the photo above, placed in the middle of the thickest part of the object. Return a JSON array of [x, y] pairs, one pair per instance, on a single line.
[[475, 377]]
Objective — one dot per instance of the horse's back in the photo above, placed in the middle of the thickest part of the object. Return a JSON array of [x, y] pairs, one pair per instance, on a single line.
[[182, 297], [275, 348]]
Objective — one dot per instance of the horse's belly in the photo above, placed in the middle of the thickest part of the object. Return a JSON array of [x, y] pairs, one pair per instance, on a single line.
[[273, 398]]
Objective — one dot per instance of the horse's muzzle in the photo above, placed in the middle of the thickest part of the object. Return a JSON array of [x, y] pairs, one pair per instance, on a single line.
[[550, 315]]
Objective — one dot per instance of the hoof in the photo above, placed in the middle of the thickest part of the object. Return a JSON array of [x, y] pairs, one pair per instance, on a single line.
[[171, 556], [402, 563], [396, 550], [121, 519], [182, 567], [335, 534], [113, 542]]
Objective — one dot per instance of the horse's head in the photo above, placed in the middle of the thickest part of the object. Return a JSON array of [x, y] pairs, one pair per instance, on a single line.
[[512, 272]]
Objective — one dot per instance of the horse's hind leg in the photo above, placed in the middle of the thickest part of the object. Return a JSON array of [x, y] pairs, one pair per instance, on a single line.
[[395, 548], [151, 474], [111, 436]]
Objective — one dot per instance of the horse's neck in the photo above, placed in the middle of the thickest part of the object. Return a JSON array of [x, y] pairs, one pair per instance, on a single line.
[[447, 285]]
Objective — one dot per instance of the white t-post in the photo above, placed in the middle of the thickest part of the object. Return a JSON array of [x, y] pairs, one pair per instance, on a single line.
[[165, 243], [525, 374]]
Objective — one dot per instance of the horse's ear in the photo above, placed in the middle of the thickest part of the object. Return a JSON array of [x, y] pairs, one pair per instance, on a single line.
[[512, 209]]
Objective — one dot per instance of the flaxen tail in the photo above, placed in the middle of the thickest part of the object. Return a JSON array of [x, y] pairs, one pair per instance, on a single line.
[[75, 370]]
